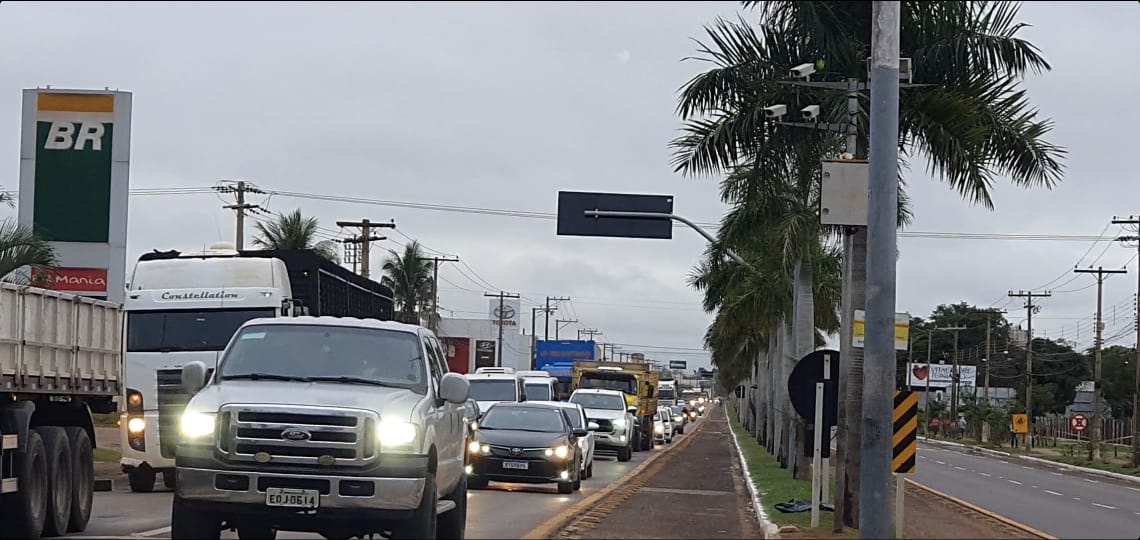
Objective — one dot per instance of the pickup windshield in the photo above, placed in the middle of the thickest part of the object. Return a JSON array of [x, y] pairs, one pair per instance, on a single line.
[[186, 330], [493, 390], [327, 354], [599, 401], [538, 392]]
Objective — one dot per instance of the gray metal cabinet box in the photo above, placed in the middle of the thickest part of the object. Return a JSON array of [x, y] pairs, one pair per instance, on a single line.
[[843, 193]]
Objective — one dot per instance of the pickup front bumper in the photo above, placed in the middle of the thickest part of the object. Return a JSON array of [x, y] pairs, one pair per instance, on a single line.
[[395, 484]]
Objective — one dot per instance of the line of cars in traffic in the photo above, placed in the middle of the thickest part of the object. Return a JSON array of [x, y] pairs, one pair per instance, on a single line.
[[520, 433]]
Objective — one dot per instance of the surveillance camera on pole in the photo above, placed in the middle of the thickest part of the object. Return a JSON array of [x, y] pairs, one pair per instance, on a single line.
[[810, 113], [775, 111], [803, 71]]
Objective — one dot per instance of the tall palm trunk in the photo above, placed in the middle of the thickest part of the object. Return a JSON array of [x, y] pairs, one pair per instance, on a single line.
[[853, 456], [761, 398], [787, 349], [804, 317], [781, 442], [771, 433]]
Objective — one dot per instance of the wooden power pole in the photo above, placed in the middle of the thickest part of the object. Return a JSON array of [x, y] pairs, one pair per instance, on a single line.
[[1030, 309], [1134, 223], [239, 189], [502, 296], [433, 316], [366, 238]]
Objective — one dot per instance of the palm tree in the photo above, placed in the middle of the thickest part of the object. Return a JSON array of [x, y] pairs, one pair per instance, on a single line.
[[21, 248], [411, 275], [293, 231], [974, 126]]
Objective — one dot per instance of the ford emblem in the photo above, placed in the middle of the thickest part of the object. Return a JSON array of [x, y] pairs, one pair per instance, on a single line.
[[296, 435]]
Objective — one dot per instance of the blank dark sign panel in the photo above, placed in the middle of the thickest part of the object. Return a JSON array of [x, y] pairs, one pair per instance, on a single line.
[[572, 220]]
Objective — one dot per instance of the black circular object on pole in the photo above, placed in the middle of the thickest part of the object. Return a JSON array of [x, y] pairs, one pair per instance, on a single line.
[[801, 386]]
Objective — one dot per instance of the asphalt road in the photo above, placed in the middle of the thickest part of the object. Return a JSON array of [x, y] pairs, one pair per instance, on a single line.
[[501, 511], [1058, 502]]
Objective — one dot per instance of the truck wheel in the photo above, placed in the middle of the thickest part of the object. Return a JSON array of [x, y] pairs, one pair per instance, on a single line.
[[625, 453], [25, 511], [82, 478], [422, 523], [577, 485], [170, 479], [141, 479], [452, 525], [635, 441], [185, 523], [58, 456]]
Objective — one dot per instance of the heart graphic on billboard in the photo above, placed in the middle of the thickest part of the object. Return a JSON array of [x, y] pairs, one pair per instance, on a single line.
[[920, 372]]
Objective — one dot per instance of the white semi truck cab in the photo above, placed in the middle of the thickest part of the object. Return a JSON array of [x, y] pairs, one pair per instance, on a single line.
[[184, 307]]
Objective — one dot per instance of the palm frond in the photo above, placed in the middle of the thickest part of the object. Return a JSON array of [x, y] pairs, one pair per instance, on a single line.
[[20, 249]]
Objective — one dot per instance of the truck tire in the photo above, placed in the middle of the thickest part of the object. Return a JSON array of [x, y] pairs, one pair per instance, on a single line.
[[187, 524], [625, 453], [57, 454], [423, 521], [452, 525], [24, 512], [82, 478], [635, 440], [590, 470], [141, 479]]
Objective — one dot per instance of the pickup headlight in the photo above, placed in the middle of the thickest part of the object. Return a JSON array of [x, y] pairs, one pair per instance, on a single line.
[[659, 428], [619, 423], [561, 452], [397, 435], [198, 427]]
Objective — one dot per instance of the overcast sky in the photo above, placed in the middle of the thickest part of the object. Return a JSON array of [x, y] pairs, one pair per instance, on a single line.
[[501, 105]]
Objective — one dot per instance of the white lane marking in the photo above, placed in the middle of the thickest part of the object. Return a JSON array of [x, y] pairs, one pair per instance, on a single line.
[[940, 462], [153, 532], [1057, 474], [1076, 498], [1091, 480], [1104, 506], [1134, 489], [1034, 487], [921, 457], [1026, 468], [959, 468], [1015, 482], [1055, 493], [985, 474], [1004, 461]]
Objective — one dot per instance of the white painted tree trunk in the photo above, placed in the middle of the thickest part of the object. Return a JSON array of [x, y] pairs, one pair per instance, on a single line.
[[804, 317]]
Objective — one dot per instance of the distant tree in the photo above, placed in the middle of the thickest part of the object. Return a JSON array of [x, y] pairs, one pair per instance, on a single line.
[[21, 248], [293, 231], [411, 276]]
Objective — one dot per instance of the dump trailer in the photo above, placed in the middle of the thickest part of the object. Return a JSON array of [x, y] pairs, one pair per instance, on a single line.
[[636, 380], [60, 360], [323, 287]]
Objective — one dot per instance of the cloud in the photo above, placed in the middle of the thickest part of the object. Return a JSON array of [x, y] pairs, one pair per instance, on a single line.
[[623, 56]]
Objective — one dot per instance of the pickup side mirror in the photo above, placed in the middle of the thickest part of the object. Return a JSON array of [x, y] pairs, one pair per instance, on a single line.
[[593, 426], [454, 388], [580, 432], [631, 410], [193, 376]]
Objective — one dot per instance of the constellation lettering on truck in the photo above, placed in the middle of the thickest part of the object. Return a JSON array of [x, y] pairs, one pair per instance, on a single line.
[[201, 295]]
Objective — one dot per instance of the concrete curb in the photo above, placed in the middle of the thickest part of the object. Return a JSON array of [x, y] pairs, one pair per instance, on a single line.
[[1019, 526], [1042, 461], [550, 527], [769, 529]]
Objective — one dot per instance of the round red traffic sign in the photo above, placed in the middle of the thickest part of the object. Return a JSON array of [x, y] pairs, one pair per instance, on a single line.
[[1078, 422]]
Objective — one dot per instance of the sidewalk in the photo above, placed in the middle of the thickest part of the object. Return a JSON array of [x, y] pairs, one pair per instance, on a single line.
[[697, 491]]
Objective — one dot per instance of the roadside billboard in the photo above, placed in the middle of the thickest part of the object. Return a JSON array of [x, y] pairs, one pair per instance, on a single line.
[[75, 148], [510, 315], [557, 357], [940, 375]]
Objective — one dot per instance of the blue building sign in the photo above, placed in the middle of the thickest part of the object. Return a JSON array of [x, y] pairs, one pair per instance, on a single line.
[[558, 357]]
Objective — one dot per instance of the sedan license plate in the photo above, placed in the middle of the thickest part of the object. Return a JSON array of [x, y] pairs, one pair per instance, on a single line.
[[292, 498], [519, 465]]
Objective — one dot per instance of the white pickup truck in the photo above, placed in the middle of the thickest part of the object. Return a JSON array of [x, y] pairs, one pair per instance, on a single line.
[[339, 426]]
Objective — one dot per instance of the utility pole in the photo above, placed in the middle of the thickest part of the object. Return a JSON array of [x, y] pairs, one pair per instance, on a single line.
[[534, 334], [239, 189], [984, 435], [502, 296], [882, 252], [955, 380], [433, 317], [1030, 308], [546, 335], [1098, 342], [558, 325], [1134, 223], [953, 373], [365, 239]]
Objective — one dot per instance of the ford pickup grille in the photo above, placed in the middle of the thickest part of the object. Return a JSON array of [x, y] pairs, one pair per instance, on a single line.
[[298, 435]]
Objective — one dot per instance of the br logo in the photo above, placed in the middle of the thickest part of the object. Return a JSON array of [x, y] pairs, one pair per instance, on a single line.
[[74, 136]]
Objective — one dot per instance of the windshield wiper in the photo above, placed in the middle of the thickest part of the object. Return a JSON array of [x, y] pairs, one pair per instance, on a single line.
[[352, 380], [263, 377]]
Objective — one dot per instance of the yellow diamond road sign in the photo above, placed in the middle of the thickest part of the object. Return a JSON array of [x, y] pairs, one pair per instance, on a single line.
[[1020, 423]]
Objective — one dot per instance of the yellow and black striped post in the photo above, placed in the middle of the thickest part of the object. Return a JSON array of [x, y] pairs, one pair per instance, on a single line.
[[905, 440]]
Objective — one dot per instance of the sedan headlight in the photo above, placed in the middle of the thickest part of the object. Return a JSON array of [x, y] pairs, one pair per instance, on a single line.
[[561, 452], [394, 434], [198, 426], [619, 423], [678, 418], [659, 428]]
